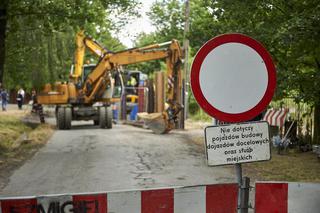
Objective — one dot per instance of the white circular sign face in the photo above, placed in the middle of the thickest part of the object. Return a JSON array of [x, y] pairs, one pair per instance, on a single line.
[[238, 72], [233, 78]]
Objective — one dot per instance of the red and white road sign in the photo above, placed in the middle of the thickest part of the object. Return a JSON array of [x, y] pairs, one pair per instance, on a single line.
[[233, 78]]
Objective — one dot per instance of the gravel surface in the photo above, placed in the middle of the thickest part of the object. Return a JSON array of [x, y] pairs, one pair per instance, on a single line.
[[89, 159]]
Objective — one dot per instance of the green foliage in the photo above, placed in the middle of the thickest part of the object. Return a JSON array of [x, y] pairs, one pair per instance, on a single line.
[[290, 30], [151, 66], [168, 18], [37, 59], [40, 35], [193, 105], [195, 112]]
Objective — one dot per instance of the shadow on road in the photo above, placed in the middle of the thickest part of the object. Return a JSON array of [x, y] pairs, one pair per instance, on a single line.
[[84, 126]]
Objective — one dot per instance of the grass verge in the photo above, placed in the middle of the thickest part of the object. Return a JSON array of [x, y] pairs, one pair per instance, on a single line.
[[11, 129], [293, 167], [201, 116]]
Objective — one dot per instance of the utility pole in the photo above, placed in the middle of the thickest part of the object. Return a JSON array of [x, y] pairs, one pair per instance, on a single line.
[[186, 59]]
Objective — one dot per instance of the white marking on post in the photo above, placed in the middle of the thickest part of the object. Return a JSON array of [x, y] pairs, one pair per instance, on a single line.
[[191, 199], [126, 202], [303, 197]]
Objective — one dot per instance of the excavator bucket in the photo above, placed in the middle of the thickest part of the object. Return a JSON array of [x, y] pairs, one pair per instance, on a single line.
[[157, 122]]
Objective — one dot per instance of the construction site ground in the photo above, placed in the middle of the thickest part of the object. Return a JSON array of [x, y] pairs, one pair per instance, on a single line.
[[89, 159]]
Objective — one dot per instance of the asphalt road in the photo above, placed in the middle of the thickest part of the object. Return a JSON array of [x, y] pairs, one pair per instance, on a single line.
[[89, 159]]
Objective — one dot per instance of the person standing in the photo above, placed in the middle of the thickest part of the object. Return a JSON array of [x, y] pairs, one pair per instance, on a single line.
[[5, 99], [34, 100], [1, 93], [132, 83], [20, 97]]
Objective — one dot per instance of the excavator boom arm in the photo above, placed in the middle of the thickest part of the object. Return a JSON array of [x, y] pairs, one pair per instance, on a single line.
[[169, 50], [83, 42]]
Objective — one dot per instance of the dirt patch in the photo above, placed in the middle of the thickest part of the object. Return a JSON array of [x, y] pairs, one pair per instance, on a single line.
[[13, 131], [294, 166]]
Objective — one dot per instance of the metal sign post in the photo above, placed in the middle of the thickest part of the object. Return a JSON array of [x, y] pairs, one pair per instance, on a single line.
[[233, 144], [243, 192], [239, 180], [233, 79]]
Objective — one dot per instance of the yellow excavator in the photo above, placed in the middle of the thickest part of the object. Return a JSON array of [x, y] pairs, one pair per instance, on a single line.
[[89, 92]]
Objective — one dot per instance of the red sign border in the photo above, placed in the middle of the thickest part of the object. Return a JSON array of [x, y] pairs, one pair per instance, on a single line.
[[195, 74]]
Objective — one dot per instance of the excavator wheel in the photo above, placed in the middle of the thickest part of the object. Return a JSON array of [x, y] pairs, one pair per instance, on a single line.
[[68, 117], [102, 117], [60, 116], [109, 117], [105, 117]]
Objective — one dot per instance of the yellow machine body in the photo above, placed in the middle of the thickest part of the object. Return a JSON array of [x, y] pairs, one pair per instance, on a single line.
[[62, 93], [99, 83]]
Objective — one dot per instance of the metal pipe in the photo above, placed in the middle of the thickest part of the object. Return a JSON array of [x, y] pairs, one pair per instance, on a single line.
[[239, 181], [243, 190]]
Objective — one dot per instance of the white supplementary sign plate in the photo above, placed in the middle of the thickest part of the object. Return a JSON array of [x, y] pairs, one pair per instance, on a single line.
[[237, 143]]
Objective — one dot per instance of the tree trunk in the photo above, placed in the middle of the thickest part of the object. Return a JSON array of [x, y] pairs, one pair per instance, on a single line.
[[316, 126], [3, 27]]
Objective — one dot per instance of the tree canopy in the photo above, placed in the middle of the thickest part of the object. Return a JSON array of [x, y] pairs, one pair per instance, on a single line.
[[38, 35], [290, 30]]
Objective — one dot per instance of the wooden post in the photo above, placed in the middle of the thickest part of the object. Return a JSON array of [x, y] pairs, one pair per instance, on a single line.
[[186, 60], [160, 94], [123, 105], [180, 99], [151, 96], [141, 100]]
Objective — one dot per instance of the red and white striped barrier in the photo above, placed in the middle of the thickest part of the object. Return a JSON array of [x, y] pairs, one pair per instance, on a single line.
[[276, 117], [287, 197], [220, 198]]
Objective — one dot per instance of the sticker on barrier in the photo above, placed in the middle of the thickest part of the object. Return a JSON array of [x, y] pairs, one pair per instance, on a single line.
[[217, 198]]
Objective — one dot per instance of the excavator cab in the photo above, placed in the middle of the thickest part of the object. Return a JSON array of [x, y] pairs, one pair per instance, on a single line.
[[116, 76], [87, 69]]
